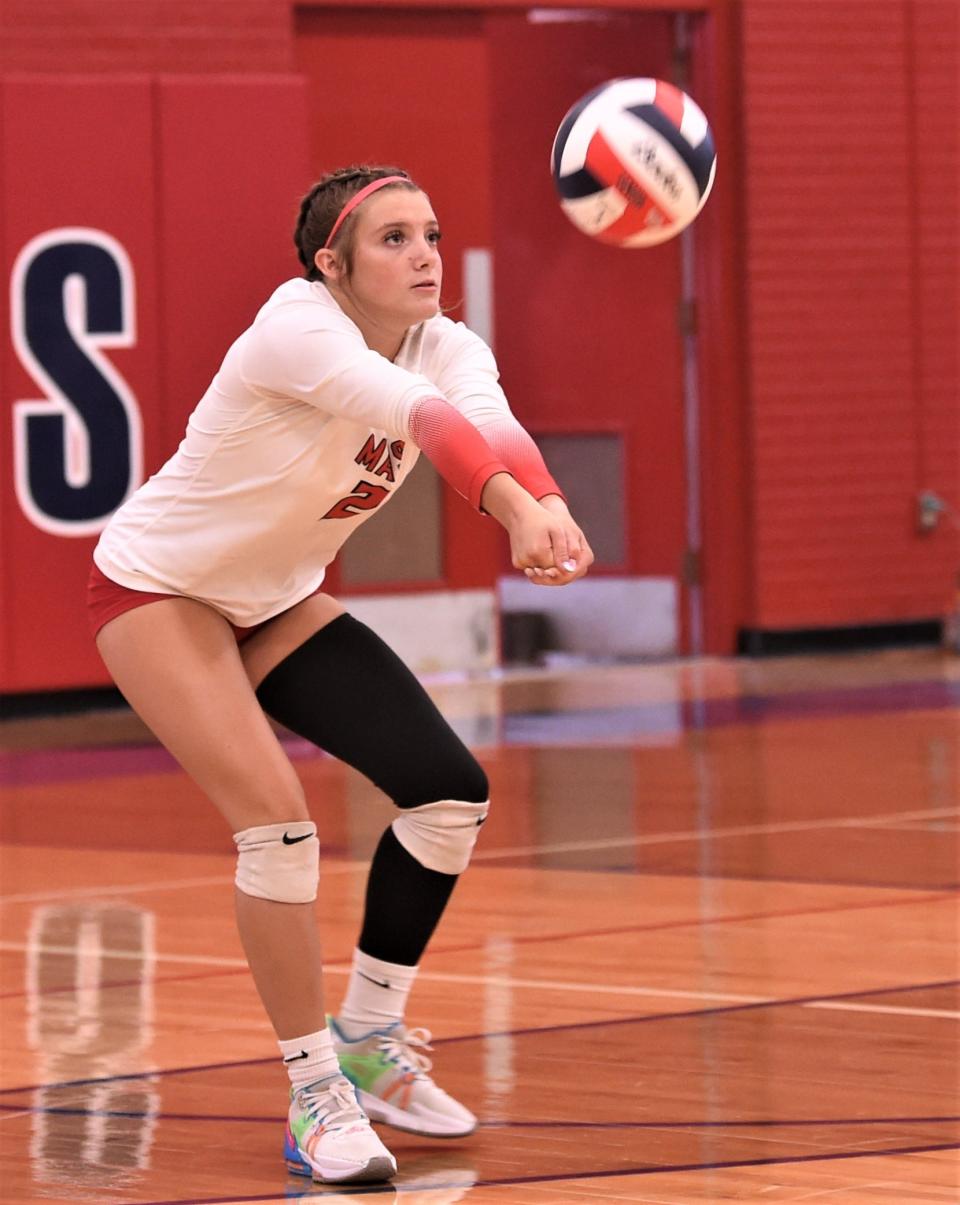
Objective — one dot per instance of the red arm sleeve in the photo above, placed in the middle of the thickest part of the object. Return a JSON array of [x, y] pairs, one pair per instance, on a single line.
[[520, 454], [457, 450]]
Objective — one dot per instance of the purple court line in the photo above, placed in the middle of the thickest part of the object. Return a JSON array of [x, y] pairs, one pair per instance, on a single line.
[[713, 1011], [534, 938], [664, 1124], [644, 1170], [920, 695], [721, 874], [306, 1192], [527, 939], [736, 918], [718, 1010], [738, 1123], [113, 984], [672, 716], [23, 767], [29, 767], [32, 766], [720, 1165]]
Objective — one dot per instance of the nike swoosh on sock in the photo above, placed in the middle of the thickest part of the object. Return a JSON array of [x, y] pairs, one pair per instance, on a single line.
[[379, 982]]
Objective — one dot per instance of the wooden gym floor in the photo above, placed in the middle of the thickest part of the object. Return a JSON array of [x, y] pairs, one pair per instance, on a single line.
[[707, 950]]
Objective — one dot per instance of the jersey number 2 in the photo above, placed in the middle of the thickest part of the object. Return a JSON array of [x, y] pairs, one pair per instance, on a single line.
[[365, 496]]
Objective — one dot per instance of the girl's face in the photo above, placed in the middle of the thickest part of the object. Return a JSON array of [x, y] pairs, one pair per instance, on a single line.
[[396, 276]]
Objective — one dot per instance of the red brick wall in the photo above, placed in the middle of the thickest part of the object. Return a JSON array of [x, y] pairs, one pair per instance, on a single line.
[[852, 251], [145, 35]]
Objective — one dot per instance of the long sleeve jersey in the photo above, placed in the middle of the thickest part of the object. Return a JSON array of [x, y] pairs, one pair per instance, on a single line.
[[302, 435]]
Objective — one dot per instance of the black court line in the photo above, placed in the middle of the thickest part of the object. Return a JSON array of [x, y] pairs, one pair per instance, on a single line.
[[643, 1170], [717, 1010]]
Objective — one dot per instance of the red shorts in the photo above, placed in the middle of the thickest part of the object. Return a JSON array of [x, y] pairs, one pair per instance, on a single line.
[[107, 599]]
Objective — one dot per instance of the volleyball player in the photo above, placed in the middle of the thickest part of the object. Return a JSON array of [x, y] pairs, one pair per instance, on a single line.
[[314, 419]]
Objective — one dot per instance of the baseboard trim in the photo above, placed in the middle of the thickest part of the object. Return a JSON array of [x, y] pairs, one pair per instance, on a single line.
[[32, 704], [766, 642]]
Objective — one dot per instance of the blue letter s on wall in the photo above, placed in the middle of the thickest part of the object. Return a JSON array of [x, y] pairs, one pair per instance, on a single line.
[[78, 452]]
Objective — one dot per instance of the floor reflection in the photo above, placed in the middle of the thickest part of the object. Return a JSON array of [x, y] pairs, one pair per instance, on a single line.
[[89, 983], [426, 1180], [499, 1044]]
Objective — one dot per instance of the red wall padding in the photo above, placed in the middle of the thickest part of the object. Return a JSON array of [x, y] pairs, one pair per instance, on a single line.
[[197, 180], [852, 169], [76, 154]]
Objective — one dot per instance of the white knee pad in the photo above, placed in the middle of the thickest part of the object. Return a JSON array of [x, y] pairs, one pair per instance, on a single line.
[[441, 836], [279, 862]]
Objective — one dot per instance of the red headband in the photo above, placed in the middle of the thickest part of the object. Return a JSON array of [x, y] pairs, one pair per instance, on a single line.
[[362, 196]]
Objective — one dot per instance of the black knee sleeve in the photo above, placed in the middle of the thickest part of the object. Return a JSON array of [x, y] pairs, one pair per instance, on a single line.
[[345, 690], [404, 903]]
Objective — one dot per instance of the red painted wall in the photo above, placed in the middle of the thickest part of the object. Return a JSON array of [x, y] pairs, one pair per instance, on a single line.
[[587, 334], [852, 251], [410, 60]]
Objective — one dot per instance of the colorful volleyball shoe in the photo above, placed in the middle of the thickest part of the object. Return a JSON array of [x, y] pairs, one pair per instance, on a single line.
[[389, 1069], [328, 1136]]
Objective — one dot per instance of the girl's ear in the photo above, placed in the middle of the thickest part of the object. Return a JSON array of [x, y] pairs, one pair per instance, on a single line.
[[328, 262]]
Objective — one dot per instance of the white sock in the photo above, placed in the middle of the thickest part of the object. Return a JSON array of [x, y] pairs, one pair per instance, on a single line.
[[309, 1058], [376, 995]]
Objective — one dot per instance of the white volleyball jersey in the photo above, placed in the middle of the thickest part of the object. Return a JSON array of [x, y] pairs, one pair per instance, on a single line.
[[302, 435]]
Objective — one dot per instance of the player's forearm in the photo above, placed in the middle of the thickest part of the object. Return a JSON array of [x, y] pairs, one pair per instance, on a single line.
[[506, 500], [555, 503]]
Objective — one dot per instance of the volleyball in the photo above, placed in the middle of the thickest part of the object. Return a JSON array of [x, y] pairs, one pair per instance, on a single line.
[[633, 162]]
